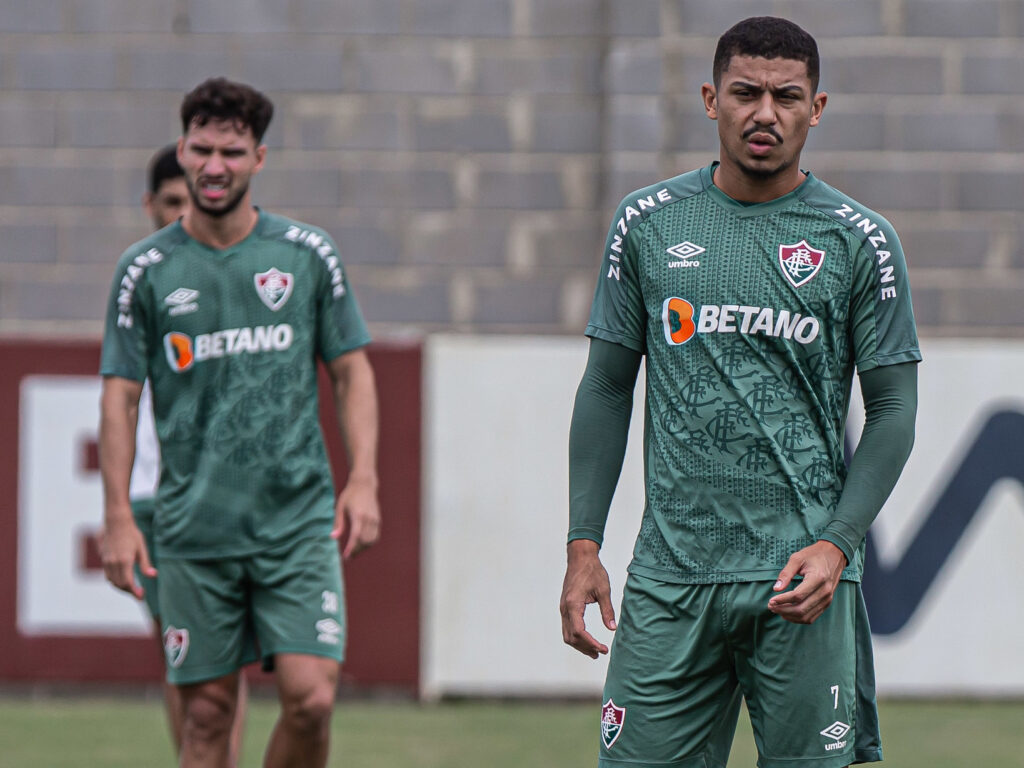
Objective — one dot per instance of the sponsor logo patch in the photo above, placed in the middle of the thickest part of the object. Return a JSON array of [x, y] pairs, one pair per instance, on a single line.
[[685, 253], [183, 351], [182, 301], [837, 732], [175, 646], [681, 320], [800, 262], [274, 287], [612, 720]]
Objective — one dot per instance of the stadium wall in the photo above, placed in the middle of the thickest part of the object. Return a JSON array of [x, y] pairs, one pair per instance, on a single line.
[[461, 596], [468, 154]]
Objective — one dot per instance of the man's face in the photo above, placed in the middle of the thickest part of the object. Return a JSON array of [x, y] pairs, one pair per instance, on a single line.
[[219, 159], [764, 108], [168, 203]]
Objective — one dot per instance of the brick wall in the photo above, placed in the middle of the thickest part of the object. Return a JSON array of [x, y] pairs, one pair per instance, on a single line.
[[467, 154]]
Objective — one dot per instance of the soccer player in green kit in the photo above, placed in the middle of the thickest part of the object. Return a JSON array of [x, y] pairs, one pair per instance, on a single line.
[[165, 201], [225, 312], [754, 290]]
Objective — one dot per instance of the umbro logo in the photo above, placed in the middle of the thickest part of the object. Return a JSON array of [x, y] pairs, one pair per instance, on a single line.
[[182, 301], [837, 732], [684, 253]]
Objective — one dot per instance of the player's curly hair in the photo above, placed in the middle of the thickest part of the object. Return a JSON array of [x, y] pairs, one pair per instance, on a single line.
[[221, 99], [768, 37]]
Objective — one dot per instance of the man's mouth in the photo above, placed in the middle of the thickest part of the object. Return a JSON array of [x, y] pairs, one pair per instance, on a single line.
[[213, 190]]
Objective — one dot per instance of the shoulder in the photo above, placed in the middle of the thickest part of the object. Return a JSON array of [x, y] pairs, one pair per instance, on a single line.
[[275, 227], [153, 250], [654, 197], [862, 223]]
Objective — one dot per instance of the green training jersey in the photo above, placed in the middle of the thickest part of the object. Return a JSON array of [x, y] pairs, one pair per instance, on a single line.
[[752, 318], [229, 340]]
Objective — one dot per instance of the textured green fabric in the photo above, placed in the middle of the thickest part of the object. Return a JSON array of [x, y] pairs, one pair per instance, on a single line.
[[752, 319], [229, 341]]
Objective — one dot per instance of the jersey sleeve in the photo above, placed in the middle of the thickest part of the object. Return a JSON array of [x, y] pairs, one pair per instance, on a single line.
[[124, 351], [340, 324], [618, 313], [881, 314]]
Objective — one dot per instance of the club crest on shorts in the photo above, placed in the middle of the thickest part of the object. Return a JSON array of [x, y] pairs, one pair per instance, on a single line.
[[175, 645], [612, 720], [800, 262], [274, 287]]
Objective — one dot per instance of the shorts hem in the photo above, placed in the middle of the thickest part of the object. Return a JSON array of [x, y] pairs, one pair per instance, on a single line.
[[174, 677], [696, 761], [826, 761], [338, 654], [867, 756]]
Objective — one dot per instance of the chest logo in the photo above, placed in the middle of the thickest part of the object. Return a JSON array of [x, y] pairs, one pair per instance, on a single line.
[[800, 262], [182, 301], [274, 287], [684, 254]]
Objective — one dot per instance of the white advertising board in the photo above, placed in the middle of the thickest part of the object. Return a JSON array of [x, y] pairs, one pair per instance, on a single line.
[[60, 504], [498, 412]]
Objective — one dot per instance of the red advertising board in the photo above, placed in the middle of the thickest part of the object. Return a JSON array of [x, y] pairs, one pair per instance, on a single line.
[[71, 629]]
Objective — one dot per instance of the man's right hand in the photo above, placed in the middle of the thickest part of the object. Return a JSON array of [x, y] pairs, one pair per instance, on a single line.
[[586, 581], [121, 546]]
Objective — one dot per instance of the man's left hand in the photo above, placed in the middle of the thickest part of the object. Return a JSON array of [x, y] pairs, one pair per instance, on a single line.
[[820, 565], [358, 511]]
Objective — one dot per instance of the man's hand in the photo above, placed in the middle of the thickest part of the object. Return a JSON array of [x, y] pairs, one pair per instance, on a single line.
[[820, 565], [358, 511], [121, 546], [586, 581]]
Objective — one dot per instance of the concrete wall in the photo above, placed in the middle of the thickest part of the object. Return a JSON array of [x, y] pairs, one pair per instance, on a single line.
[[467, 154]]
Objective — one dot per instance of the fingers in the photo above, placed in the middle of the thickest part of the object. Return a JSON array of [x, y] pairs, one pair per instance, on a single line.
[[574, 631], [803, 605], [786, 574], [586, 582], [364, 531]]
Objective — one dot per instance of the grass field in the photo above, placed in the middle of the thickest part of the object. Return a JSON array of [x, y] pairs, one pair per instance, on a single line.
[[129, 733]]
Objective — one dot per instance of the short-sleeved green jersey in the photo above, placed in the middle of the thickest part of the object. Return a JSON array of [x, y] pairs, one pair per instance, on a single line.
[[752, 318], [229, 340]]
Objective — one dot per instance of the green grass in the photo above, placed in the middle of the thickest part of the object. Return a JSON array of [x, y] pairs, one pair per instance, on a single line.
[[129, 733]]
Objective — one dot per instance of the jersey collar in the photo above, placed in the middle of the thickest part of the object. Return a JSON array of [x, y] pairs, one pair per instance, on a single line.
[[753, 209]]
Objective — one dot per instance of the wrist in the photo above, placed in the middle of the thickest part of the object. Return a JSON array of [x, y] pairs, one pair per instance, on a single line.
[[580, 548]]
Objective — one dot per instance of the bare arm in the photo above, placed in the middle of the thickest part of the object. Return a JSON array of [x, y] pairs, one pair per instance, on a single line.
[[355, 396], [121, 543]]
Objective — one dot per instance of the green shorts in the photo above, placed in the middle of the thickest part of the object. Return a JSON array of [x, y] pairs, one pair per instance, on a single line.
[[685, 655], [219, 615], [142, 510]]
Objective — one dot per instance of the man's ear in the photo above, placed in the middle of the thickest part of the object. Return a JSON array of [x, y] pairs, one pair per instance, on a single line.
[[817, 107], [710, 98]]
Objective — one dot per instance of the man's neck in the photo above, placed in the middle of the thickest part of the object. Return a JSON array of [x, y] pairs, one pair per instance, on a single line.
[[739, 186], [221, 232]]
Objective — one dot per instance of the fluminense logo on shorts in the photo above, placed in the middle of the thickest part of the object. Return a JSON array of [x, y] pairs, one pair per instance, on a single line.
[[183, 351], [175, 646], [837, 732], [612, 720], [681, 320]]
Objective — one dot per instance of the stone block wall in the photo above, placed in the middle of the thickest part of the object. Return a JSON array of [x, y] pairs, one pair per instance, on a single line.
[[467, 155]]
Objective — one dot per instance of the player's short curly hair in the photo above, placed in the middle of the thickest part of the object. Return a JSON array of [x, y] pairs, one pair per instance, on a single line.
[[221, 99], [768, 37]]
